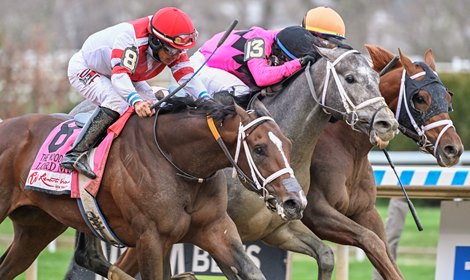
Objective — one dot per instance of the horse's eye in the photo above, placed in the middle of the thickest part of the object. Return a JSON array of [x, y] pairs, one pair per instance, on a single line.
[[419, 99], [350, 79], [259, 150]]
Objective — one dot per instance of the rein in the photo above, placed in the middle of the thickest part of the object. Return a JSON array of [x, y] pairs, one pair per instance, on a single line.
[[180, 172], [256, 176], [350, 116]]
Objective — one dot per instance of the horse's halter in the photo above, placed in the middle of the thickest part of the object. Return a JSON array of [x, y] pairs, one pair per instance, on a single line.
[[350, 116], [411, 121], [256, 176]]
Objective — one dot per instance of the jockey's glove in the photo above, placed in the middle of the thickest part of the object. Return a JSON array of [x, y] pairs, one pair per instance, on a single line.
[[306, 59]]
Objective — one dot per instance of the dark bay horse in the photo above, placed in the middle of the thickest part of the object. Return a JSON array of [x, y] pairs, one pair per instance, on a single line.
[[342, 194], [302, 109], [146, 204]]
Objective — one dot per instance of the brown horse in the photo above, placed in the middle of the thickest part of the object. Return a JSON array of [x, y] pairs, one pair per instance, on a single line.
[[342, 194], [146, 204]]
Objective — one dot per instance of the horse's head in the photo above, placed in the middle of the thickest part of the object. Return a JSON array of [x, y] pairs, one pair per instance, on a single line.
[[421, 103], [266, 159], [350, 91]]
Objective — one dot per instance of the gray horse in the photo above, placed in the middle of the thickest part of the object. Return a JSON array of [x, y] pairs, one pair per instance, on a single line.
[[341, 84]]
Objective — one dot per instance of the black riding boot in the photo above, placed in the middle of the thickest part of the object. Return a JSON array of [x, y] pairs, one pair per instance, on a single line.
[[90, 135]]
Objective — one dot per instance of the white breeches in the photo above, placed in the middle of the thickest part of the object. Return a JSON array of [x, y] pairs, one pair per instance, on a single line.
[[97, 87], [217, 79]]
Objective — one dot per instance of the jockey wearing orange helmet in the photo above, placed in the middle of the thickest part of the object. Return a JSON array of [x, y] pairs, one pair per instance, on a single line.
[[325, 22]]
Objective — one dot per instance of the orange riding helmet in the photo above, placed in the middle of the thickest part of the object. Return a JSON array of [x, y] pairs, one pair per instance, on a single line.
[[325, 21], [173, 26]]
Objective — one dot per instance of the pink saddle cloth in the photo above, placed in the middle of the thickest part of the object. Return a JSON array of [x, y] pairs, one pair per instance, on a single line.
[[46, 175]]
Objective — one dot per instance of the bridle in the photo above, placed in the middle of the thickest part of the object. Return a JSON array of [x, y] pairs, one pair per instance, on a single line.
[[350, 115], [257, 182], [411, 121]]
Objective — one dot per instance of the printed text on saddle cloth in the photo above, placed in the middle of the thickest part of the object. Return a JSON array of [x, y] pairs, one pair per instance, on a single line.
[[46, 174]]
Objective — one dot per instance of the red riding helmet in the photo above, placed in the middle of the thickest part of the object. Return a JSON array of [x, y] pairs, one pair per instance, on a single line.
[[173, 26], [325, 21]]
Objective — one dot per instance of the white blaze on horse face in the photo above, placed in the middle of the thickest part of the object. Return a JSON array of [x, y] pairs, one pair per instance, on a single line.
[[278, 144]]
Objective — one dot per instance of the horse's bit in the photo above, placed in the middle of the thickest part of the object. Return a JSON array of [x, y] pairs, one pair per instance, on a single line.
[[351, 116]]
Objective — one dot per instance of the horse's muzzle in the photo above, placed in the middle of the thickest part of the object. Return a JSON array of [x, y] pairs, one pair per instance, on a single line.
[[293, 205]]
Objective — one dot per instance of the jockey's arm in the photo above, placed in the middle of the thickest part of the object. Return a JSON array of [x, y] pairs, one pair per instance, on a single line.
[[182, 71], [266, 75]]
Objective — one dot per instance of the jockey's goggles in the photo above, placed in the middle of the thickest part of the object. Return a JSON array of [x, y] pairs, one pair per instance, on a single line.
[[181, 40], [169, 50]]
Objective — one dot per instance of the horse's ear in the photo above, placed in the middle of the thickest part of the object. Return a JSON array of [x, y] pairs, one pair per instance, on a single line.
[[410, 68], [259, 106], [241, 112], [429, 59], [326, 52], [380, 57]]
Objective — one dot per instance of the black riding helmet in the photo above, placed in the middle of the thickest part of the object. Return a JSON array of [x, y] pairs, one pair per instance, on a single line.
[[294, 42]]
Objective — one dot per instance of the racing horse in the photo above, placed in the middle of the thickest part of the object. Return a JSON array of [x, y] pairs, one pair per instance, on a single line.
[[143, 199], [340, 84], [342, 193]]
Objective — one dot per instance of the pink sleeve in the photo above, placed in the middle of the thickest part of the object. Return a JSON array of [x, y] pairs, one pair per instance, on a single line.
[[265, 75]]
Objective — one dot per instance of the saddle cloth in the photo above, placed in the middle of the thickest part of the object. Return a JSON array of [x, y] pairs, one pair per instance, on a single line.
[[46, 175]]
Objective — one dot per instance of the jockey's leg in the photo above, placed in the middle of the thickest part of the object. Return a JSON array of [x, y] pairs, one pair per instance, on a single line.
[[90, 135]]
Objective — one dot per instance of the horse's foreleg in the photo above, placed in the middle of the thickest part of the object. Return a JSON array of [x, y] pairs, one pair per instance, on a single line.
[[150, 255], [27, 243], [127, 261], [222, 241], [4, 254], [295, 236], [372, 221], [89, 254], [330, 224]]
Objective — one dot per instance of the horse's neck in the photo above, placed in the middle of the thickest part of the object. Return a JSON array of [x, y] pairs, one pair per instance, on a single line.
[[390, 88], [340, 134], [301, 119], [180, 138]]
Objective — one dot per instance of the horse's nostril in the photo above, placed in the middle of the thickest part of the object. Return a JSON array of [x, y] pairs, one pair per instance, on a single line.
[[383, 125], [452, 151], [291, 204], [386, 125]]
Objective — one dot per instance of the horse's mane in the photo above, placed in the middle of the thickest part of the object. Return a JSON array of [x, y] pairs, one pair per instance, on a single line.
[[243, 101], [216, 109]]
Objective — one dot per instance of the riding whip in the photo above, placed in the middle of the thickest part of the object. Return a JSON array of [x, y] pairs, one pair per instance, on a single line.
[[221, 41], [410, 204]]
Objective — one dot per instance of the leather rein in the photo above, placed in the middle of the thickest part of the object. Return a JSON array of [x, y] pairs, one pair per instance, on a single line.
[[253, 182]]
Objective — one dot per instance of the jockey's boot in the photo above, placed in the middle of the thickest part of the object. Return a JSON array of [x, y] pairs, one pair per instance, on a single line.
[[90, 135]]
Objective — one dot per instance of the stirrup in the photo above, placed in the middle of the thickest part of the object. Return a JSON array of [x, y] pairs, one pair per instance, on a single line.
[[81, 166]]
